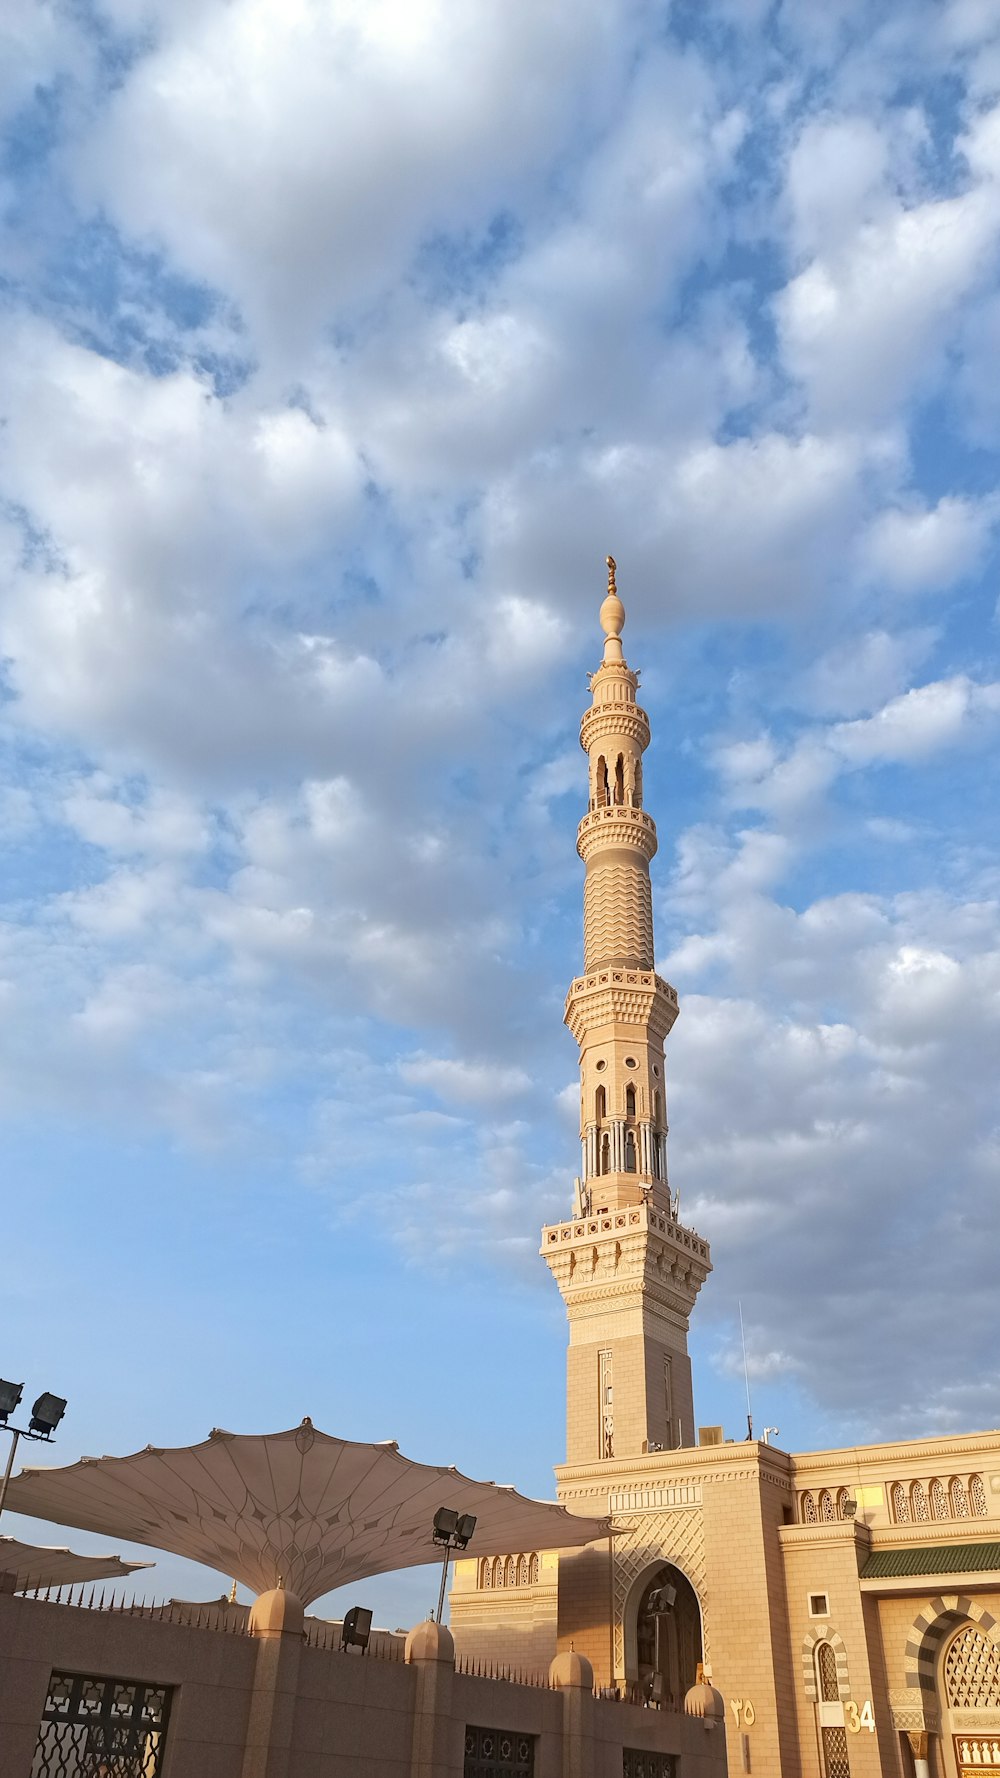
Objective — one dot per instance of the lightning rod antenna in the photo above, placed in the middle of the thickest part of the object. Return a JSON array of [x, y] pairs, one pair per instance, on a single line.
[[746, 1372]]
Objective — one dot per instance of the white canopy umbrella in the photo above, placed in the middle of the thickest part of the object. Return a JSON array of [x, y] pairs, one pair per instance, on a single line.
[[298, 1508], [42, 1565]]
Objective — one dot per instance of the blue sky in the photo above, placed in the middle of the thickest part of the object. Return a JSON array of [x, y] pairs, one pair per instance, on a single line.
[[340, 344]]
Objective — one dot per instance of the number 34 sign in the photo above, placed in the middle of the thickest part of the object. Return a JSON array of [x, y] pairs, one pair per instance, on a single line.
[[859, 1716]]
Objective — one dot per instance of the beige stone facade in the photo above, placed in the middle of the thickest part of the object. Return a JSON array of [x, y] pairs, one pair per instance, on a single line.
[[846, 1603], [272, 1699]]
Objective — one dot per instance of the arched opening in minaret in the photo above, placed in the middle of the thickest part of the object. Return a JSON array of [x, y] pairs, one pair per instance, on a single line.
[[602, 782], [605, 1154], [638, 783], [657, 1118], [629, 1101], [600, 1105], [629, 1152], [668, 1641], [620, 779]]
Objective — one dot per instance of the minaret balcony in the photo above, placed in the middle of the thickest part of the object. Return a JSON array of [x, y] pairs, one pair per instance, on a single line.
[[616, 824], [604, 720], [636, 997]]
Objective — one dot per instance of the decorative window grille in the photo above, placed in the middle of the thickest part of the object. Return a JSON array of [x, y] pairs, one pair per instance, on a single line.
[[606, 1392], [939, 1500], [509, 1572], [959, 1499], [827, 1683], [900, 1504], [826, 1511], [835, 1761], [843, 1497], [918, 1501], [533, 1571], [808, 1510], [975, 1751], [636, 1764], [972, 1671], [117, 1726], [977, 1496], [499, 1753]]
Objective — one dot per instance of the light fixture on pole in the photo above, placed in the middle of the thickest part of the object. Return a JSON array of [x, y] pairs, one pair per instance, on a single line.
[[452, 1531], [46, 1414]]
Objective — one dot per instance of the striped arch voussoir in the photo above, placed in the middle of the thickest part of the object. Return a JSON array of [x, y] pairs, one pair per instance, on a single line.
[[810, 1644], [927, 1632]]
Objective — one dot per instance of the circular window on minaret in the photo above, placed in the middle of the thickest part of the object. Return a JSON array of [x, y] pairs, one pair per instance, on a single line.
[[601, 1064], [630, 1062]]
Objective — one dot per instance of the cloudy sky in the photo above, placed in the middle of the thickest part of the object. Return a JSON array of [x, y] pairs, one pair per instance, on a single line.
[[341, 340]]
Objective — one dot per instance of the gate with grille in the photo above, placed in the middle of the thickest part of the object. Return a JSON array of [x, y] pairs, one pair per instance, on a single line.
[[499, 1753], [101, 1728]]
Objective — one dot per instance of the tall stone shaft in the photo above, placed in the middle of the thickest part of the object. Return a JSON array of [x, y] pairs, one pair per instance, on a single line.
[[629, 1273]]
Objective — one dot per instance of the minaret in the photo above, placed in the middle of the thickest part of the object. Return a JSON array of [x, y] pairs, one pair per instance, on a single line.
[[628, 1271]]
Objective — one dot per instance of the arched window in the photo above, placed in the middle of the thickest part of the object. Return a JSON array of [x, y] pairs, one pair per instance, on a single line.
[[972, 1671], [959, 1499], [629, 1152], [605, 1158], [638, 783], [620, 779], [843, 1499], [939, 1500], [808, 1510], [485, 1570], [918, 1503], [900, 1504], [602, 783], [600, 1105], [522, 1571], [977, 1496], [629, 1101], [497, 1580], [827, 1683], [533, 1572], [826, 1506], [509, 1572], [657, 1118]]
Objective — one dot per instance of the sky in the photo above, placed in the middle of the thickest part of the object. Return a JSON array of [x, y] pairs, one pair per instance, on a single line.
[[340, 341]]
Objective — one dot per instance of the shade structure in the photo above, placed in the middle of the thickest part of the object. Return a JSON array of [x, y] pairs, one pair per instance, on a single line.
[[41, 1565], [299, 1508]]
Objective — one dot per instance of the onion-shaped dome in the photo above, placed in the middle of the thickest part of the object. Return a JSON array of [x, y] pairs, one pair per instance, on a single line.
[[430, 1642], [570, 1669], [704, 1701]]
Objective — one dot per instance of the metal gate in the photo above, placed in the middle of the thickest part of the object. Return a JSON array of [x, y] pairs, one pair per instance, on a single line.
[[499, 1753], [101, 1728], [636, 1764]]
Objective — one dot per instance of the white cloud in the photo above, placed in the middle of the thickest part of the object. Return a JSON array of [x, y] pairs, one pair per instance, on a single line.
[[918, 549]]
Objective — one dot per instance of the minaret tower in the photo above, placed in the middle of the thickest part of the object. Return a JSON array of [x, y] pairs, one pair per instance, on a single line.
[[628, 1271]]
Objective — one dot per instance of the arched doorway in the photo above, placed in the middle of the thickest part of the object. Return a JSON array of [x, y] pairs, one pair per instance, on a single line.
[[969, 1689], [667, 1638]]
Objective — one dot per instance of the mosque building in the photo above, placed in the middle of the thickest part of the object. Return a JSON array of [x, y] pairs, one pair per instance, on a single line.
[[846, 1604]]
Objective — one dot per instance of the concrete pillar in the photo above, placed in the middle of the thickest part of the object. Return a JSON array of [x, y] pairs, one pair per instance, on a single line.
[[276, 1622], [438, 1740], [573, 1676]]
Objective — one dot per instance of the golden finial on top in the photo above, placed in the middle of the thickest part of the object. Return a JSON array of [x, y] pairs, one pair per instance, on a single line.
[[612, 616]]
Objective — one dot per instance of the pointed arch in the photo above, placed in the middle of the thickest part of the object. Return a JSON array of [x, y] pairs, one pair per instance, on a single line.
[[812, 1643], [931, 1629], [603, 795], [620, 778], [630, 1100], [900, 1504], [600, 1105]]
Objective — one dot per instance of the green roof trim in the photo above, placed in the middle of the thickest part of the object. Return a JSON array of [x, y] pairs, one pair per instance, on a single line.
[[936, 1558]]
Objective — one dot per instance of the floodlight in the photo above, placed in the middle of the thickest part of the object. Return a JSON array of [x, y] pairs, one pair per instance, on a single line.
[[464, 1529], [356, 1628], [662, 1601], [10, 1395], [46, 1414], [850, 1508], [445, 1524]]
